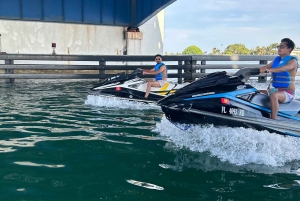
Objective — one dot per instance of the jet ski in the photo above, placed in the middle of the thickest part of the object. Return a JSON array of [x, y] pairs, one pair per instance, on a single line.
[[132, 87], [224, 100]]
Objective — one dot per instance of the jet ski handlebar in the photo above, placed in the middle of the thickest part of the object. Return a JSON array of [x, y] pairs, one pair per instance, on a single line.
[[255, 71], [137, 71], [246, 73]]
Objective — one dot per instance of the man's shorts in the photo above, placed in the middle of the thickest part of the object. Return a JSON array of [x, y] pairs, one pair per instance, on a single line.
[[162, 82], [289, 94]]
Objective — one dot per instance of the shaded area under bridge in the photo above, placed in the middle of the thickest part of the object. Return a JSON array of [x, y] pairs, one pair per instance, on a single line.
[[100, 12]]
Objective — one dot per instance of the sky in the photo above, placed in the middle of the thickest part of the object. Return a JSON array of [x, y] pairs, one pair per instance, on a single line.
[[219, 23]]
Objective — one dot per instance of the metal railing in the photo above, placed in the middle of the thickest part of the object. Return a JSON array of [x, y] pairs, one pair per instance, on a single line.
[[20, 66]]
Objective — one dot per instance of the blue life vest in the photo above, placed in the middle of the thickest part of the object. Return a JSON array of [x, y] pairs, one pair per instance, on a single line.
[[159, 76], [282, 79]]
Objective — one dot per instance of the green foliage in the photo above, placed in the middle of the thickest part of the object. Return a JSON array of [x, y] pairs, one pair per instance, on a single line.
[[171, 53], [216, 51], [270, 50], [192, 50], [237, 49]]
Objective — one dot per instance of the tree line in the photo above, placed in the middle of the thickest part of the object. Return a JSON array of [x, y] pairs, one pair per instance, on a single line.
[[237, 48]]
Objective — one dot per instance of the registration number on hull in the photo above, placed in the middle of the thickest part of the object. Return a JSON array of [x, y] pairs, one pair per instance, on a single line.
[[232, 111]]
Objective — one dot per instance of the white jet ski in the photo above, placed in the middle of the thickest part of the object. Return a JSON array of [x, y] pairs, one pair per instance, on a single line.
[[133, 88]]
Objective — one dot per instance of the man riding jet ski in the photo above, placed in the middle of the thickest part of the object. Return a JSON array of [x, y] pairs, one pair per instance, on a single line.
[[160, 72], [224, 100], [131, 87], [283, 69]]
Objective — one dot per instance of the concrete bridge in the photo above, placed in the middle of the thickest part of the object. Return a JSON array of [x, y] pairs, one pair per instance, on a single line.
[[82, 26]]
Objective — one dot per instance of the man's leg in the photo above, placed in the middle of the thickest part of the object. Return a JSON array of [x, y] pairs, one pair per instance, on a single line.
[[149, 85], [275, 99]]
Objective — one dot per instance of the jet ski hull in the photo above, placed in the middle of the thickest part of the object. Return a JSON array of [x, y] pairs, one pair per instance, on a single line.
[[224, 100], [127, 95], [198, 117]]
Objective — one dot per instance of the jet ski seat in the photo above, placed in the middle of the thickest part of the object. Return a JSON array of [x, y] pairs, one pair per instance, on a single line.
[[262, 99], [291, 108]]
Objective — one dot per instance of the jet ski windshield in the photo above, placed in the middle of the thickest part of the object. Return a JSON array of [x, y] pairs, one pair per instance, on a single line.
[[120, 77], [212, 79], [246, 73], [136, 72]]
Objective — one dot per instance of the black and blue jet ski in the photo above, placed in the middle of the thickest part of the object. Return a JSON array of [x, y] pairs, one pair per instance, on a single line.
[[224, 100]]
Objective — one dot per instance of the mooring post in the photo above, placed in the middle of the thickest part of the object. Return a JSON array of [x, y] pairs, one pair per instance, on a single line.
[[203, 62], [9, 71], [193, 71], [102, 65], [262, 78], [179, 71], [186, 71], [190, 71]]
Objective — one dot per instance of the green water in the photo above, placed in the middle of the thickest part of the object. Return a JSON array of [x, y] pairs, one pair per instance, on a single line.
[[56, 146]]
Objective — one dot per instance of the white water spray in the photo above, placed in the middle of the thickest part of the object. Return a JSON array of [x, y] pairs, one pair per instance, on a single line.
[[111, 102], [238, 146]]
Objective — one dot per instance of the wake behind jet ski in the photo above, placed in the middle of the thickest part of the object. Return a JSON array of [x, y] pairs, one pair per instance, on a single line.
[[132, 87], [224, 100]]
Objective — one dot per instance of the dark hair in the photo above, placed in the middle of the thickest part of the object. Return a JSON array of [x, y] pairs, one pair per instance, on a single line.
[[289, 43], [158, 55]]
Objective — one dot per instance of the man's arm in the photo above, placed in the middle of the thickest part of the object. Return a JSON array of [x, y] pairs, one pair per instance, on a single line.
[[266, 67], [150, 72], [292, 64]]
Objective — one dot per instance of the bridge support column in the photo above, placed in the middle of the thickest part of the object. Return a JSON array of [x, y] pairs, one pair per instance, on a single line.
[[1, 47], [133, 44]]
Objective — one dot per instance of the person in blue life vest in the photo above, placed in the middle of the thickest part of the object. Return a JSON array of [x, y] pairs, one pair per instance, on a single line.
[[160, 72], [283, 69]]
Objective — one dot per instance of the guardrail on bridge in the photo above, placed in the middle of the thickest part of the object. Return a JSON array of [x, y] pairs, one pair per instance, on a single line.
[[20, 66]]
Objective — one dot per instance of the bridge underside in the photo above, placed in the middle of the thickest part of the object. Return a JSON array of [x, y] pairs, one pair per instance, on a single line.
[[102, 12]]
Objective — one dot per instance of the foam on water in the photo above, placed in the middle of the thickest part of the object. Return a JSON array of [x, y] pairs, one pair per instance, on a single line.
[[111, 102], [28, 163], [238, 146], [185, 159]]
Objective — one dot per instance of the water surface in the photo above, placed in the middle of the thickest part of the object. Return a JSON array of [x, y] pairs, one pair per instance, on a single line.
[[58, 143]]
